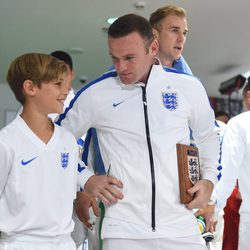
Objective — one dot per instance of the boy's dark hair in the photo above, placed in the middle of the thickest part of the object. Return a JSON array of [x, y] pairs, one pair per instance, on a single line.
[[35, 67], [63, 56], [129, 23]]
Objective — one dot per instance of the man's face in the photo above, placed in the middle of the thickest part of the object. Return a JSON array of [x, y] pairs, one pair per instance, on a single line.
[[131, 58], [172, 38], [246, 101]]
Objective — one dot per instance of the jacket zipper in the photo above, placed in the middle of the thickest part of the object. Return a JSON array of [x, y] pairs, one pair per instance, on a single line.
[[144, 98]]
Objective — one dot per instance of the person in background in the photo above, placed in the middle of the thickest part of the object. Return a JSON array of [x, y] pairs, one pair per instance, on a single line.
[[246, 96], [38, 161], [235, 160], [222, 116], [170, 30], [231, 210], [65, 57], [143, 152]]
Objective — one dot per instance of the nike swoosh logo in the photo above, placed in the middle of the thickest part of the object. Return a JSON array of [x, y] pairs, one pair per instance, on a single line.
[[115, 104], [27, 162]]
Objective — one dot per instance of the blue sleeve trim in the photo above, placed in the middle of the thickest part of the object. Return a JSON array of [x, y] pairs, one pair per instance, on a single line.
[[98, 162], [219, 176], [80, 168], [85, 153], [91, 136]]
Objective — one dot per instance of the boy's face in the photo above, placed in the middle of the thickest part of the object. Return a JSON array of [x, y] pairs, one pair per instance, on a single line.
[[51, 96]]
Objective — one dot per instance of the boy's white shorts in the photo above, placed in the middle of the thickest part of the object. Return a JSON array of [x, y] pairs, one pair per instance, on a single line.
[[24, 242]]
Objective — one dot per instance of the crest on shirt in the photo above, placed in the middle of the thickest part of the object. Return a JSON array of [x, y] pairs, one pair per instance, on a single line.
[[170, 100], [64, 160]]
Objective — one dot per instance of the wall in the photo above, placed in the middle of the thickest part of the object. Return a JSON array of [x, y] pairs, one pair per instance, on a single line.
[[8, 103]]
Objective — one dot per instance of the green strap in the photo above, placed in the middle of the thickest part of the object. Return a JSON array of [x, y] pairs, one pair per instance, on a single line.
[[102, 213]]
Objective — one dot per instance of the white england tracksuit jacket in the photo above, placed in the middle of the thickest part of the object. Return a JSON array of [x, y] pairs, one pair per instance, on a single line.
[[138, 128]]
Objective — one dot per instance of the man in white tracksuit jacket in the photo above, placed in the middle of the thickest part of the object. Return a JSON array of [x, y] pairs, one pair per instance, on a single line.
[[235, 162], [140, 112]]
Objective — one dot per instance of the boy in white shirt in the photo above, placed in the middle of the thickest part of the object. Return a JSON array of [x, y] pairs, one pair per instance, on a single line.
[[38, 161]]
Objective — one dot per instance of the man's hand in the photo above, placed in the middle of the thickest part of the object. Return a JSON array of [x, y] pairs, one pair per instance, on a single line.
[[83, 202], [105, 188], [201, 191], [208, 214]]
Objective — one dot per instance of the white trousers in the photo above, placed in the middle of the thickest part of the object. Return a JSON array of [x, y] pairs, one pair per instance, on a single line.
[[36, 243], [193, 242]]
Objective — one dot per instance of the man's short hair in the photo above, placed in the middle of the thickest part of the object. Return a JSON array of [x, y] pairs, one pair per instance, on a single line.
[[157, 16], [130, 23]]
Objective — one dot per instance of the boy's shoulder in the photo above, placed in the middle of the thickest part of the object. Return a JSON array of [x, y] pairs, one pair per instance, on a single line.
[[10, 135], [64, 133], [9, 130]]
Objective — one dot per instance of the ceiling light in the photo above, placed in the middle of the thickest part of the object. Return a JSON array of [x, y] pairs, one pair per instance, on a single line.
[[111, 20], [75, 50], [140, 5]]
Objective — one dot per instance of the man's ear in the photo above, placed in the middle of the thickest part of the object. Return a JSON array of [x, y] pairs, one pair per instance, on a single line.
[[29, 88], [155, 33], [154, 47]]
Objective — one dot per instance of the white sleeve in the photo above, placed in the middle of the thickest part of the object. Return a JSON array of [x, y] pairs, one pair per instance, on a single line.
[[84, 173], [5, 167], [233, 150], [205, 133], [80, 114]]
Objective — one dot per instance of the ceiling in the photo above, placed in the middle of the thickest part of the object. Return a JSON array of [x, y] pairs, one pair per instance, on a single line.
[[217, 47]]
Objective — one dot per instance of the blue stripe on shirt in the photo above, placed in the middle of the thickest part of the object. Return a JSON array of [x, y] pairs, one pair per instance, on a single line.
[[103, 77]]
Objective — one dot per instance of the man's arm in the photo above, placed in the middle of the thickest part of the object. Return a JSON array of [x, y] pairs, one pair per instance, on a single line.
[[104, 188], [233, 150], [201, 192], [206, 137]]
